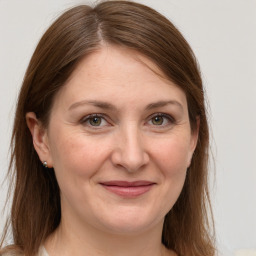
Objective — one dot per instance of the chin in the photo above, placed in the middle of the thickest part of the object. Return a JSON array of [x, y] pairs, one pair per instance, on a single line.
[[129, 223]]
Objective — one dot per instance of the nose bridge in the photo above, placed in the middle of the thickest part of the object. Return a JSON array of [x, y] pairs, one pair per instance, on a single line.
[[131, 153]]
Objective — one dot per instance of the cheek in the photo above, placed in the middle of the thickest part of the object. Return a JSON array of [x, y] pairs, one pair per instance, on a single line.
[[77, 156], [171, 160], [76, 161], [172, 156]]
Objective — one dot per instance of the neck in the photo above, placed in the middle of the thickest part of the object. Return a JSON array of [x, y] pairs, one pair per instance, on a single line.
[[74, 240]]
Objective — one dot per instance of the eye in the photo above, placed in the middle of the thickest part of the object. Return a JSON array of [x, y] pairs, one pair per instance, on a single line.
[[161, 119], [94, 120], [157, 120]]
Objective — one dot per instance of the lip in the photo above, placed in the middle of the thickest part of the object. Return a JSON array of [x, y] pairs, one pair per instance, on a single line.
[[128, 189]]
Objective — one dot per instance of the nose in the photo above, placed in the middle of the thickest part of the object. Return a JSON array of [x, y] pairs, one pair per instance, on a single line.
[[129, 152]]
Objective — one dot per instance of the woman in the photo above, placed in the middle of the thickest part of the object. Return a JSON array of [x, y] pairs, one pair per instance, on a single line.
[[110, 141]]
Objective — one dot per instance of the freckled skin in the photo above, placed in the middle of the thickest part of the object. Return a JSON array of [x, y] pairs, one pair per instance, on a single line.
[[125, 146]]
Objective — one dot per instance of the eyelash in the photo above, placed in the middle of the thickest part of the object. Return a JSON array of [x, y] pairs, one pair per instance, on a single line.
[[169, 118], [87, 118]]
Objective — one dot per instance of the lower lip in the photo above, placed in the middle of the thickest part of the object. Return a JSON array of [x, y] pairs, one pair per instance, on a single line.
[[129, 192]]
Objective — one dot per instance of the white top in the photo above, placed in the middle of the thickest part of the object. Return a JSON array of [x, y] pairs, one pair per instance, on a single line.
[[42, 252]]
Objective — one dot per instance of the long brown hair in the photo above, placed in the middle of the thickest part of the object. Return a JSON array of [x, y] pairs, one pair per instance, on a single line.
[[35, 211]]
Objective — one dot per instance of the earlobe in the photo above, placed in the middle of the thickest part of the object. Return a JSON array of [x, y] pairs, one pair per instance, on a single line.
[[40, 138]]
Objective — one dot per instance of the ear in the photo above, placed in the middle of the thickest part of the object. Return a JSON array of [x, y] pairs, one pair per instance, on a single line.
[[40, 138], [194, 139]]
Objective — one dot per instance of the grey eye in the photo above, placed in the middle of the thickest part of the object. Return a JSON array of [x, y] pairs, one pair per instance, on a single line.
[[95, 121], [157, 120]]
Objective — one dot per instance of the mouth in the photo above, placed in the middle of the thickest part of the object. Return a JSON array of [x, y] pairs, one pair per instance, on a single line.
[[128, 189]]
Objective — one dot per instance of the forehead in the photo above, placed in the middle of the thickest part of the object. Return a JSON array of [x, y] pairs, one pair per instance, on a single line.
[[119, 75]]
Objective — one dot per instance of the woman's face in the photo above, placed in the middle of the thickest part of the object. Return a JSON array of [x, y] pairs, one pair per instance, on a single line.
[[120, 142]]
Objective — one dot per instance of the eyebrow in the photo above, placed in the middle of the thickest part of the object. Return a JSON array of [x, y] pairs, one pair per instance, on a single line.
[[96, 103], [164, 103], [109, 106]]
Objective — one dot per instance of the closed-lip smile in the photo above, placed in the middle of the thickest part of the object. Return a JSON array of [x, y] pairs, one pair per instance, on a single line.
[[128, 189]]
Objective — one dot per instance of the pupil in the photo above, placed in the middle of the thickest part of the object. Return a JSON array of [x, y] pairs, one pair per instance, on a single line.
[[158, 120], [95, 121]]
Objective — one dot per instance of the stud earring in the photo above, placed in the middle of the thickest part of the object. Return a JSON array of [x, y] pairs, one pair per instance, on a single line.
[[45, 164]]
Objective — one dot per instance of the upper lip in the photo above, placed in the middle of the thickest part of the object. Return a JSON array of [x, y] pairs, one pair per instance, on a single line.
[[121, 183]]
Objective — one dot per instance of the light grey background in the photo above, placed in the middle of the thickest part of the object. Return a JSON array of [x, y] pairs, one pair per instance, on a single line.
[[222, 34]]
